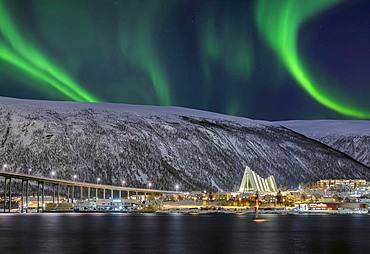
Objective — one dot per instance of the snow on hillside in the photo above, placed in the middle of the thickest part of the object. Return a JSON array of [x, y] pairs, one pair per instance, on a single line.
[[162, 145], [349, 136]]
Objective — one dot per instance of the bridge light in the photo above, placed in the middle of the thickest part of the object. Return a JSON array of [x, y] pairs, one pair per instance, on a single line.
[[74, 177], [98, 180], [149, 185], [123, 182], [52, 173], [177, 186], [5, 166], [29, 170]]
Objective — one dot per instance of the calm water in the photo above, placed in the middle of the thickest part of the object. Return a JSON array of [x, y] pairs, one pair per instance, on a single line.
[[117, 233]]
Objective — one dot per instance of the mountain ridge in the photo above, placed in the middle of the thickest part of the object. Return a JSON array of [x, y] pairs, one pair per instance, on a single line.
[[162, 145], [348, 136]]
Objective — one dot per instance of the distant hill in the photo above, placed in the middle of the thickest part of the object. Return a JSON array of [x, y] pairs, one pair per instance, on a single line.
[[349, 136], [162, 145]]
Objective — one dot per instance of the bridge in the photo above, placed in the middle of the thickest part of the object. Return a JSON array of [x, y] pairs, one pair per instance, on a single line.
[[56, 184]]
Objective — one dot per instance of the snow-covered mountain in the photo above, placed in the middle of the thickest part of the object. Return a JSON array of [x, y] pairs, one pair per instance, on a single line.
[[162, 145], [350, 136]]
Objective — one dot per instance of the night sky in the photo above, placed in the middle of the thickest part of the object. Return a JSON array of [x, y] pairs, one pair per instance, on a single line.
[[266, 59]]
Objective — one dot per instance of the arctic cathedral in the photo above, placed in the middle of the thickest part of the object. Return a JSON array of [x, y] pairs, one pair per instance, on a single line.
[[252, 182]]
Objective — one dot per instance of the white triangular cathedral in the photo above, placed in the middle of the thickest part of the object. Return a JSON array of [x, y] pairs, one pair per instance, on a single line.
[[252, 182]]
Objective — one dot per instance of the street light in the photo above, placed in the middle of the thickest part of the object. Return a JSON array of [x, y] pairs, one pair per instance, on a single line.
[[98, 180], [177, 187], [52, 173], [123, 182], [149, 185], [5, 166], [29, 170], [74, 177]]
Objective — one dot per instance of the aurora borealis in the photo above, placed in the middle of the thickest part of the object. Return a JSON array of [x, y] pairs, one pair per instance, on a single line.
[[266, 59], [19, 53], [281, 31]]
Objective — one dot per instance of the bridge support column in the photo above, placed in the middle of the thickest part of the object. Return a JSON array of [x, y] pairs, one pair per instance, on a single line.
[[81, 193], [96, 194], [73, 194], [5, 192], [120, 195], [22, 196], [53, 193], [67, 194], [111, 194], [88, 196], [103, 193], [128, 194], [38, 197], [42, 196], [10, 194], [27, 194], [58, 193]]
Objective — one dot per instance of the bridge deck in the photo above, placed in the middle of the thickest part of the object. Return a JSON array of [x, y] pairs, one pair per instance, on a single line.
[[81, 184]]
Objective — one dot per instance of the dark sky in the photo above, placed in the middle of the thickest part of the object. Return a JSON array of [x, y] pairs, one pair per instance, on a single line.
[[265, 59]]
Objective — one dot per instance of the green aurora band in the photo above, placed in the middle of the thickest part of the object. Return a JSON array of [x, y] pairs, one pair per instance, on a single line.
[[279, 23], [15, 51], [225, 45], [138, 46]]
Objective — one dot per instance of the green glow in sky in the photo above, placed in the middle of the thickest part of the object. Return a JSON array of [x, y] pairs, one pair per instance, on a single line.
[[269, 59], [138, 44], [279, 23], [226, 51], [16, 51], [222, 43]]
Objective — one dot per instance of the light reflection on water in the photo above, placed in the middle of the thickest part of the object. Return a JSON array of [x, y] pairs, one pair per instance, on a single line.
[[176, 233]]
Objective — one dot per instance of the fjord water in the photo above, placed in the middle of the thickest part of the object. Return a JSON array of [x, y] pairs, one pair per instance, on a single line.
[[154, 233]]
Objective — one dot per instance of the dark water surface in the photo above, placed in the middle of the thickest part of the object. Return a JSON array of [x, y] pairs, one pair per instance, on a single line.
[[151, 233]]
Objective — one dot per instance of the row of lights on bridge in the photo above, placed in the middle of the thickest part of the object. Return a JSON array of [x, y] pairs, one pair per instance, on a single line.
[[98, 180]]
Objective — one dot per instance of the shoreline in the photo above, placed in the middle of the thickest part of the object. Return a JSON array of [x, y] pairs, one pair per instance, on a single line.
[[203, 212]]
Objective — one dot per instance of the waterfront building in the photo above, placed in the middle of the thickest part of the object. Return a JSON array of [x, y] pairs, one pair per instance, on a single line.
[[362, 191], [252, 182], [337, 183], [104, 205], [321, 206]]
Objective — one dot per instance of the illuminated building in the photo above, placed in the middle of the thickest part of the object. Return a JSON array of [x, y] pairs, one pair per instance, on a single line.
[[333, 183], [252, 182]]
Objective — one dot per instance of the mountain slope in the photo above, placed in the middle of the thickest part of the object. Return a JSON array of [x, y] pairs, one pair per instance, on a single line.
[[162, 145], [351, 137]]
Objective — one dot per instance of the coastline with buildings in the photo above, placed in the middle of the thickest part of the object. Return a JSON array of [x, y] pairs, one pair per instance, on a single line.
[[326, 196]]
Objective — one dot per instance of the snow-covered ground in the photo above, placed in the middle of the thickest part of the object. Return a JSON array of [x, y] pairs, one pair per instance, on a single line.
[[162, 145], [322, 128], [349, 136]]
